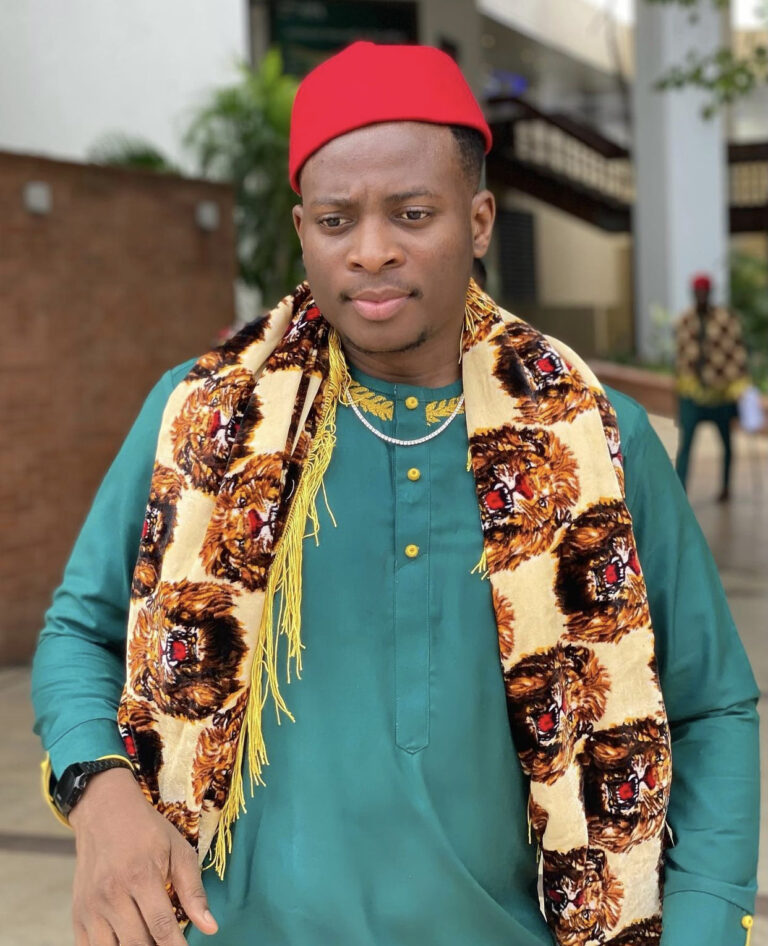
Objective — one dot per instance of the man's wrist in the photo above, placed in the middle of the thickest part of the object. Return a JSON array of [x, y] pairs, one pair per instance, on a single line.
[[104, 785], [70, 787]]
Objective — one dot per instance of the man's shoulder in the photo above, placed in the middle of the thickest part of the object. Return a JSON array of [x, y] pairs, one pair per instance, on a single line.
[[177, 374]]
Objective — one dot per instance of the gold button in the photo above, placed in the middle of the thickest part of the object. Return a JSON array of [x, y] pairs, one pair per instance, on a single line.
[[411, 403], [411, 551], [414, 474], [747, 922]]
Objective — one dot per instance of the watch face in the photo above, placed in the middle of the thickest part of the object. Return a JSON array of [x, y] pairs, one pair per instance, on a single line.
[[69, 788]]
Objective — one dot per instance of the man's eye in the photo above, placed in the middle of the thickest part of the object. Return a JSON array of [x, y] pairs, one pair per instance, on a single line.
[[332, 222], [415, 215]]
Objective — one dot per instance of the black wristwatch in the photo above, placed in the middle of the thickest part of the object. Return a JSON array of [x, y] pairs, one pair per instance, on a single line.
[[69, 789]]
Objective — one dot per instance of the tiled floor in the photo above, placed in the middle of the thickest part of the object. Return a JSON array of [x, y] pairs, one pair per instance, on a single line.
[[36, 853]]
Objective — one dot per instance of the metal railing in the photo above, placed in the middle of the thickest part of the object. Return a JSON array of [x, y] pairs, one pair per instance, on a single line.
[[590, 163], [546, 146]]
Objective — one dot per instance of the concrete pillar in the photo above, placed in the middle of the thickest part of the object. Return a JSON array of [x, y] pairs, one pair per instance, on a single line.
[[456, 22], [680, 219]]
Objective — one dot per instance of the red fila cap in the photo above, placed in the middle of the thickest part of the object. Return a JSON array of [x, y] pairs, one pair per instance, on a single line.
[[366, 84], [701, 281]]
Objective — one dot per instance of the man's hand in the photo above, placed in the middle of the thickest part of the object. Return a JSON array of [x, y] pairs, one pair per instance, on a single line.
[[126, 852]]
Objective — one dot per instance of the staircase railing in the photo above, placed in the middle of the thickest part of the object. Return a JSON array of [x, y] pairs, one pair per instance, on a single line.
[[531, 145]]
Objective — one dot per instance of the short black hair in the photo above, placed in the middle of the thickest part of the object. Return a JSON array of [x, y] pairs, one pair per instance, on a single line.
[[471, 145]]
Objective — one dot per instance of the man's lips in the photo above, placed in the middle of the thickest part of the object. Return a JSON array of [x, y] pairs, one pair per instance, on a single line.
[[377, 307]]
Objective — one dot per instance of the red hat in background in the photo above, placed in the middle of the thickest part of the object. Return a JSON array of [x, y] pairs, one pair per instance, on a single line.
[[366, 84], [701, 281]]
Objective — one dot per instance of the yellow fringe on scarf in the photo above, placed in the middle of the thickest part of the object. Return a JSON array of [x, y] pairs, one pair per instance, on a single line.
[[284, 579]]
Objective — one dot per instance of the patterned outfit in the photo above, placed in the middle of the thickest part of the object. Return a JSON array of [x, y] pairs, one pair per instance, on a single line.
[[411, 846], [711, 368]]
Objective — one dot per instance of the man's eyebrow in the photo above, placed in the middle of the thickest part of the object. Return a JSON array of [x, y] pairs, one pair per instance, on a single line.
[[343, 202], [333, 201], [410, 195]]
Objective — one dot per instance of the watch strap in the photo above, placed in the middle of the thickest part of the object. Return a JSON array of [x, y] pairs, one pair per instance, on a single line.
[[69, 788]]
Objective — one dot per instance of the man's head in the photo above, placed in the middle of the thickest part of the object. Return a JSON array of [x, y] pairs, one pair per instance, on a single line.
[[701, 287], [391, 215]]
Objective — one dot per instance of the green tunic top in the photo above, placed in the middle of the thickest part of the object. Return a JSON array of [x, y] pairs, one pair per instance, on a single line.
[[394, 811]]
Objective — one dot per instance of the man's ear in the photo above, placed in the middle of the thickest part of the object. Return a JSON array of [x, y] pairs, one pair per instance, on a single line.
[[483, 215], [298, 216]]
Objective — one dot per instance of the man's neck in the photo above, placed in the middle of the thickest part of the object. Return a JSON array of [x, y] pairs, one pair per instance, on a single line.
[[425, 366]]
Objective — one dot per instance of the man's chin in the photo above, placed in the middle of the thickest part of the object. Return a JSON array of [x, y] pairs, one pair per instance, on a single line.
[[383, 346]]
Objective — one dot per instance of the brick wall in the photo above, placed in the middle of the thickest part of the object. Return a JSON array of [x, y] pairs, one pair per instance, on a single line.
[[97, 299]]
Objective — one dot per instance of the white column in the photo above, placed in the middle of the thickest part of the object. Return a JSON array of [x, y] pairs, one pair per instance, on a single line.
[[680, 217]]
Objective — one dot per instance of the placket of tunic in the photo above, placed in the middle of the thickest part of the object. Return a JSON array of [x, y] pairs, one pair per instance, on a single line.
[[412, 626]]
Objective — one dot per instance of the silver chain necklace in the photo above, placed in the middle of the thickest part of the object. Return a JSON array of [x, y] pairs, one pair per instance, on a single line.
[[404, 443]]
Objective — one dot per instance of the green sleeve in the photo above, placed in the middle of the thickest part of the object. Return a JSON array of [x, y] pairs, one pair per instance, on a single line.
[[78, 670], [710, 696]]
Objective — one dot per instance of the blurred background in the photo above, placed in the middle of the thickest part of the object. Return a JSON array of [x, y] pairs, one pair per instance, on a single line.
[[145, 211]]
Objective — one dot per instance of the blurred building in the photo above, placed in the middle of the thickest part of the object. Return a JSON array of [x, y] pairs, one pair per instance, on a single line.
[[73, 72], [610, 194], [109, 277]]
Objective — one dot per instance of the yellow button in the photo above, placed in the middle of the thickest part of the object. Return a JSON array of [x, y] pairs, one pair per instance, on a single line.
[[747, 922], [414, 474], [411, 551], [411, 403]]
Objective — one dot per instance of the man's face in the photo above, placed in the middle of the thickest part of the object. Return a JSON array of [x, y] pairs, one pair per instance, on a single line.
[[701, 295], [389, 226]]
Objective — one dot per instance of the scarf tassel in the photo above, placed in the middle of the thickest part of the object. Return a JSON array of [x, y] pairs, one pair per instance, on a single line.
[[285, 580]]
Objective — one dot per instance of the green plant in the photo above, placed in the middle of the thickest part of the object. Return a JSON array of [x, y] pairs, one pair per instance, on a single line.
[[749, 297], [722, 74], [128, 151], [241, 135]]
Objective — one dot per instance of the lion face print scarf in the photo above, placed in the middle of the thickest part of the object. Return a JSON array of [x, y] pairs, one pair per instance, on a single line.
[[244, 444]]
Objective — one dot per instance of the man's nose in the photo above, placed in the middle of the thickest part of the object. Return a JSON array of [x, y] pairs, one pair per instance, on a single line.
[[374, 248]]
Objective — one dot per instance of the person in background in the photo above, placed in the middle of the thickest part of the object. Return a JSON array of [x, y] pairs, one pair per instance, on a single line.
[[711, 370]]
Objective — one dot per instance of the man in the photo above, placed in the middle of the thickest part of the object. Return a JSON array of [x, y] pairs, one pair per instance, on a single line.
[[453, 443], [711, 367]]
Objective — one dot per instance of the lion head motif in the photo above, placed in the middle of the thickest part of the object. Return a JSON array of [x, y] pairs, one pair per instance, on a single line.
[[158, 528], [300, 340], [582, 896], [215, 756], [205, 429], [187, 649], [553, 697], [645, 933], [243, 529], [142, 742], [528, 367], [627, 774], [600, 583], [527, 483]]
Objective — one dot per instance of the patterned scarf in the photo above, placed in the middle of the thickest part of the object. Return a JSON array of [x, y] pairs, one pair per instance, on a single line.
[[245, 441]]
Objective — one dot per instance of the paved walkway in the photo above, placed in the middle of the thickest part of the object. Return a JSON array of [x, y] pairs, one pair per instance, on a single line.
[[36, 853]]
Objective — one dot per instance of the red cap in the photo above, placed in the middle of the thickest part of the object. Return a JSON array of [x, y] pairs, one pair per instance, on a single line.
[[366, 84], [701, 281]]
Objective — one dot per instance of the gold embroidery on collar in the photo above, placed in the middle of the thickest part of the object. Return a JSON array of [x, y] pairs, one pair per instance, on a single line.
[[370, 402], [437, 410], [380, 406]]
